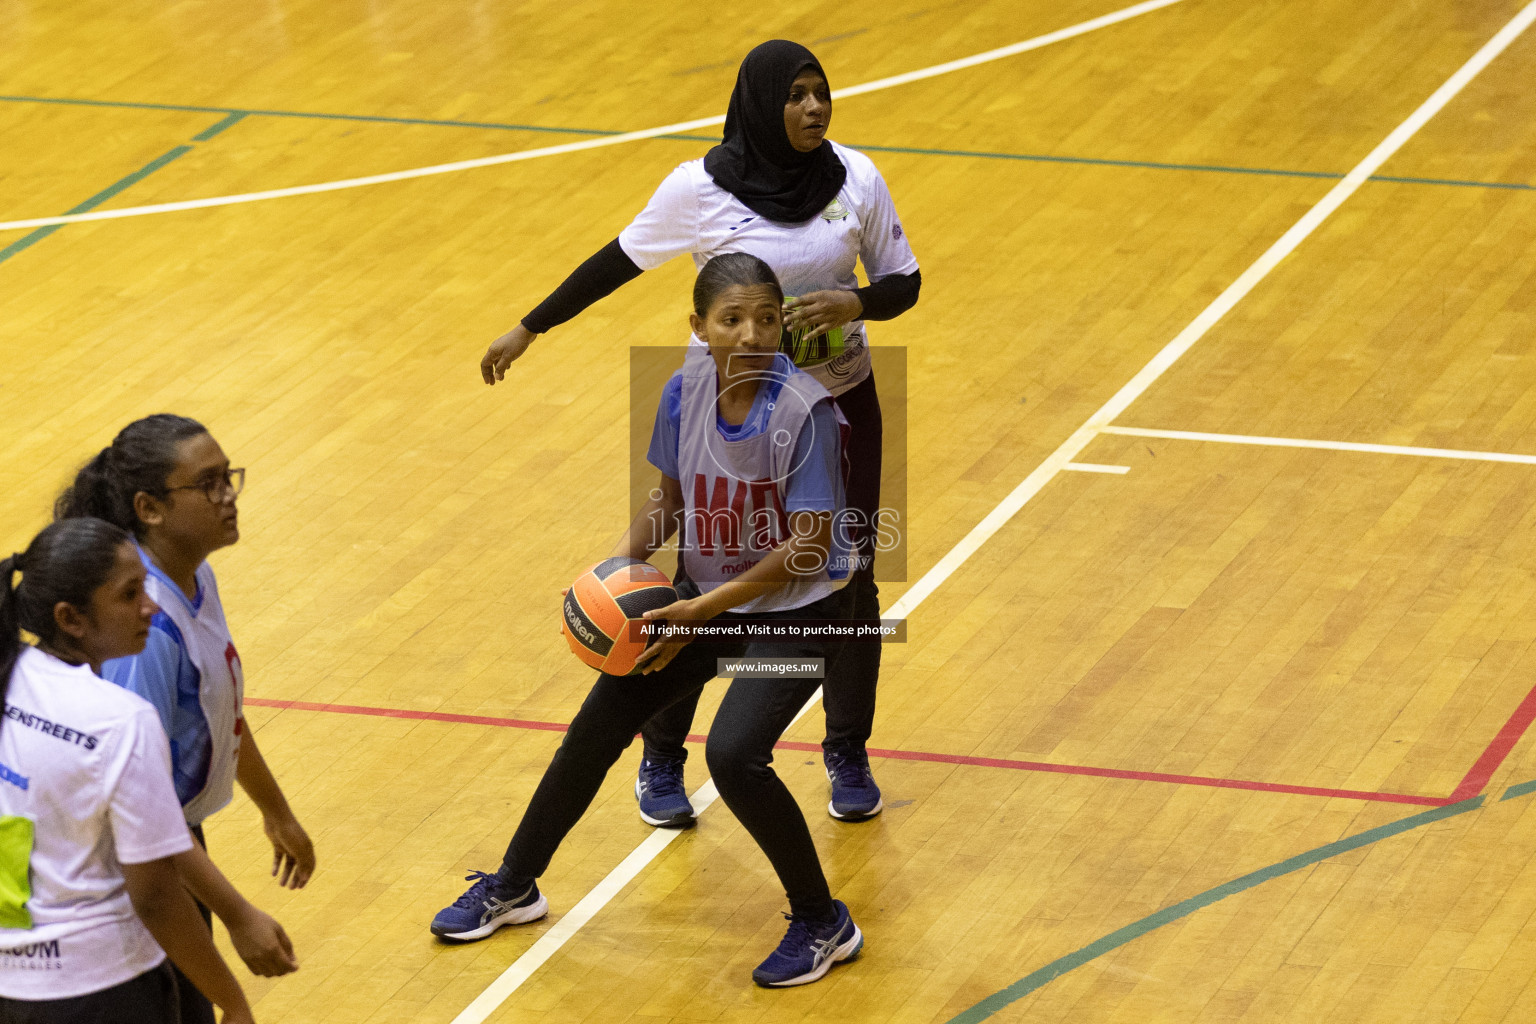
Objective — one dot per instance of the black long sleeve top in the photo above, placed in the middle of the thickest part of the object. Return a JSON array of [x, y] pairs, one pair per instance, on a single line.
[[602, 273]]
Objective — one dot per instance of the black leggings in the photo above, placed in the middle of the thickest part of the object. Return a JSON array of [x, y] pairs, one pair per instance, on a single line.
[[148, 999], [753, 715], [848, 692]]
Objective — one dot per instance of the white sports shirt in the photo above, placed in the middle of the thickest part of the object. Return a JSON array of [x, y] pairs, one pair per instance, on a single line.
[[190, 672], [85, 787], [691, 214]]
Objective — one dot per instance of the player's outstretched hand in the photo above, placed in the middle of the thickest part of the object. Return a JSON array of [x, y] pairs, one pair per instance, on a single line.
[[504, 351], [293, 855], [818, 312], [263, 945]]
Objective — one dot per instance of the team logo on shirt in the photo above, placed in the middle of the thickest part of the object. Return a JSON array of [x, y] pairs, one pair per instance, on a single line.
[[835, 210], [54, 729], [36, 956], [746, 518], [15, 778], [843, 366]]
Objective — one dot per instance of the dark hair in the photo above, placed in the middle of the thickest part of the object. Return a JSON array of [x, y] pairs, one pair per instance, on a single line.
[[727, 269], [140, 458], [66, 562]]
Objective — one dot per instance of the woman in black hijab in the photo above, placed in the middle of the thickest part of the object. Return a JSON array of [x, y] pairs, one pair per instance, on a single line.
[[776, 187], [758, 163]]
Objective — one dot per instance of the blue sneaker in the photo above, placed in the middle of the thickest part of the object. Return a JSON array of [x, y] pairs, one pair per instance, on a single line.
[[809, 950], [855, 796], [663, 800], [486, 906]]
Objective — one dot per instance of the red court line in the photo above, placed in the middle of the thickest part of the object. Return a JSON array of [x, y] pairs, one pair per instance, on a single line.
[[1121, 773], [922, 755], [428, 716], [1482, 770]]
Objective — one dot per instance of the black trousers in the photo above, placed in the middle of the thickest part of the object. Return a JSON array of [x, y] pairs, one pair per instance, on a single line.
[[195, 1007], [148, 999], [753, 715], [848, 692]]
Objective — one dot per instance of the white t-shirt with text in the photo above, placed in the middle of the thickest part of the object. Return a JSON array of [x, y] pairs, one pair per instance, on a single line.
[[88, 765]]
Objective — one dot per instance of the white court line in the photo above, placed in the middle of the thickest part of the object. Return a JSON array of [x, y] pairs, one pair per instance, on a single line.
[[1341, 446], [1057, 460], [1219, 307], [575, 147], [548, 944], [1095, 467]]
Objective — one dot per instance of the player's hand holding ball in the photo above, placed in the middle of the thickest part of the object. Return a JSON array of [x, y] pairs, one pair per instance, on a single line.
[[815, 313], [661, 652]]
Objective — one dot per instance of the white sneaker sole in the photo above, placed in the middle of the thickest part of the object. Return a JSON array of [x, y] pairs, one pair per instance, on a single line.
[[847, 951], [862, 816], [665, 822], [522, 915], [832, 810]]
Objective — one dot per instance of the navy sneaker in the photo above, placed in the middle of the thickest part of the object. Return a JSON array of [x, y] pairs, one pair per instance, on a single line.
[[486, 906], [809, 950], [663, 800], [855, 796]]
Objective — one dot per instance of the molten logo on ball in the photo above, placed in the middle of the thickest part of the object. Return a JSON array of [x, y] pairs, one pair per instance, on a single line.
[[605, 608]]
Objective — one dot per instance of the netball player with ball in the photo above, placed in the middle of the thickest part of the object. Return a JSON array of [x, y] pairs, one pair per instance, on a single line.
[[776, 187], [738, 419]]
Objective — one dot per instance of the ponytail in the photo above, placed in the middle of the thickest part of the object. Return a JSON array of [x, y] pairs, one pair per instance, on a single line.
[[10, 629], [94, 493], [140, 458], [66, 562]]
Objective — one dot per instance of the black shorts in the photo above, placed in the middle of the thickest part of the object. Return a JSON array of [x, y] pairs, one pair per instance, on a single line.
[[148, 999]]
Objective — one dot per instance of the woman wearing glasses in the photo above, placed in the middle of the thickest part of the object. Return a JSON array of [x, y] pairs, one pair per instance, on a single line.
[[167, 482]]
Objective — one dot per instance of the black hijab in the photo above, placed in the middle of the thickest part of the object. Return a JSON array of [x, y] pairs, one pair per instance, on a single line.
[[756, 163]]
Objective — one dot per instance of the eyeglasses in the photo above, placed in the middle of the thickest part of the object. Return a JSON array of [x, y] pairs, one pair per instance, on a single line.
[[231, 481]]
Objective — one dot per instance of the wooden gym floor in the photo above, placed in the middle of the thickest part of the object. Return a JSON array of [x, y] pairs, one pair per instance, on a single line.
[[1224, 736]]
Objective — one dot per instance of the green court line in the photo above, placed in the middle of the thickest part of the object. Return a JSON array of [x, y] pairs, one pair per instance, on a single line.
[[249, 111], [1207, 168], [29, 240], [228, 122], [1454, 181], [978, 154], [1096, 162], [1114, 940], [1521, 790]]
